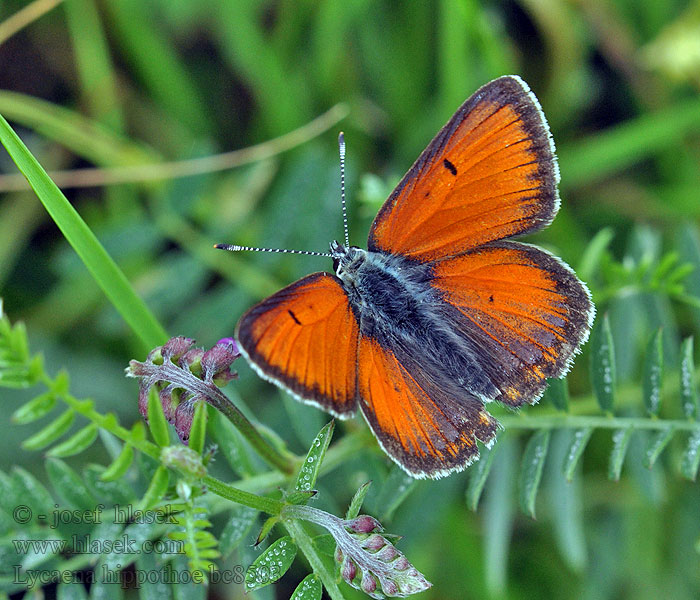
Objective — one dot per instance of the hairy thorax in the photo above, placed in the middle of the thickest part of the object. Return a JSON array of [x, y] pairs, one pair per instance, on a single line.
[[394, 302]]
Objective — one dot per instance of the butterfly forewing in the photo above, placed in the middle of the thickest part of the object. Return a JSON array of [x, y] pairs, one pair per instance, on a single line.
[[489, 174], [305, 338]]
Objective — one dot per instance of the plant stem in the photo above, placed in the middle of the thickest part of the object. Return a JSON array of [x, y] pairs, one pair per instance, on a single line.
[[566, 421], [305, 544], [261, 503]]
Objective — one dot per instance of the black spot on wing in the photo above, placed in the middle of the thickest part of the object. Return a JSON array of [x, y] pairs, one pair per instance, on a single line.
[[449, 166], [291, 314]]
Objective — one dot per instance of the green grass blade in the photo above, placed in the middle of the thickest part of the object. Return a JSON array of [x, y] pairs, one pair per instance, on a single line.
[[93, 62], [624, 145], [101, 266], [86, 137]]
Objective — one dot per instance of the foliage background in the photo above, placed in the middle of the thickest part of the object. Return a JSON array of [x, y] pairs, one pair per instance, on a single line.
[[178, 79]]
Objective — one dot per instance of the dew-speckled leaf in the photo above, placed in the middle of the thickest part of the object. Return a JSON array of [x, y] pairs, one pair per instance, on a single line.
[[69, 486], [689, 390], [155, 587], [107, 490], [691, 457], [271, 564], [75, 444], [239, 522], [309, 589], [306, 480], [478, 474], [157, 422], [33, 492], [579, 440], [120, 465], [72, 590], [603, 364], [104, 590], [656, 444], [531, 470], [156, 489], [10, 491], [357, 500], [34, 409], [621, 439], [653, 373], [558, 394], [51, 432], [199, 427]]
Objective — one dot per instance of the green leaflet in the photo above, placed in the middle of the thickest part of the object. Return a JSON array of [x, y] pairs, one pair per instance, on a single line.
[[531, 470], [271, 564], [309, 589], [603, 364], [308, 472], [652, 378]]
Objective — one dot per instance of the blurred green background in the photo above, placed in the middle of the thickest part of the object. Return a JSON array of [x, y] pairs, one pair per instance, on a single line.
[[116, 84]]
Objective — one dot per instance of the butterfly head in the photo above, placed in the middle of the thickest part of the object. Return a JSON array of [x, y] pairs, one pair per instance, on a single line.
[[346, 259]]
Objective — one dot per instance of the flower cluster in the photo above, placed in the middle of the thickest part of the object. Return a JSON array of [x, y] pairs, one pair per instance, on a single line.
[[371, 563], [184, 375], [368, 560]]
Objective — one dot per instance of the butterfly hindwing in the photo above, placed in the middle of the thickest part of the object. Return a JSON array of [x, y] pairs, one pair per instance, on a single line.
[[427, 430], [526, 310], [489, 174], [305, 339]]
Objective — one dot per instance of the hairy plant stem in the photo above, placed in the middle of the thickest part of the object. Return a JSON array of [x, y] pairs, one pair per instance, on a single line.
[[306, 545]]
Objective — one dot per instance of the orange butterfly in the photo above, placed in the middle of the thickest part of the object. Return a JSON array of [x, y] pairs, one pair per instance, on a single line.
[[443, 312]]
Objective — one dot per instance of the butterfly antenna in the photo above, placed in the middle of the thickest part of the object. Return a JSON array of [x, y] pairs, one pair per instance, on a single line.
[[341, 148], [237, 248]]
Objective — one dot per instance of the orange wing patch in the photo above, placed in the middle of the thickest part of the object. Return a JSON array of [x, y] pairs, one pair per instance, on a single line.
[[304, 338], [489, 174], [426, 434], [526, 309]]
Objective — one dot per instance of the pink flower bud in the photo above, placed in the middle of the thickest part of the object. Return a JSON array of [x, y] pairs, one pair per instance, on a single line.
[[364, 524], [369, 583], [374, 542], [349, 570]]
